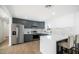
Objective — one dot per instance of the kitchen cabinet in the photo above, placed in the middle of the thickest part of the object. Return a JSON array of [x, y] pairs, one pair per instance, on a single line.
[[28, 37], [38, 25], [30, 23], [34, 24], [16, 20], [41, 25]]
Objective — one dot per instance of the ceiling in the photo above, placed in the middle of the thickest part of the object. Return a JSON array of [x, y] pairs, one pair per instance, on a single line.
[[40, 12]]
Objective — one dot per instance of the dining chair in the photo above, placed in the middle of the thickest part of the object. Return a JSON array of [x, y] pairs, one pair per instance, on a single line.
[[76, 43], [68, 45]]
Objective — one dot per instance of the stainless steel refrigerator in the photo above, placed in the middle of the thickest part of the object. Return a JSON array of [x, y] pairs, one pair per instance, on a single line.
[[17, 33]]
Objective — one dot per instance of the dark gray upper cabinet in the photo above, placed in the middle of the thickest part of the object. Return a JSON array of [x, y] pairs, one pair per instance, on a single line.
[[17, 20], [29, 23], [37, 24]]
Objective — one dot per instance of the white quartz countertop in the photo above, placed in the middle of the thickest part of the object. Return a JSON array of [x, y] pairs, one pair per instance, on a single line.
[[59, 37]]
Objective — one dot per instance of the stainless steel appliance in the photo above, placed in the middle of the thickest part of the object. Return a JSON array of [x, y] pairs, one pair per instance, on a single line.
[[17, 33]]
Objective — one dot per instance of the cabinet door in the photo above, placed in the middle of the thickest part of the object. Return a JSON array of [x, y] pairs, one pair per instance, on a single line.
[[34, 24], [18, 21], [38, 25], [41, 25], [27, 24], [28, 37]]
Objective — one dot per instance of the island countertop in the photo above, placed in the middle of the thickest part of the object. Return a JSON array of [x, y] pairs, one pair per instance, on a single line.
[[40, 34]]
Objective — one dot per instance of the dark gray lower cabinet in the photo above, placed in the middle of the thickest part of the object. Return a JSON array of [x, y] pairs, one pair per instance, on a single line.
[[28, 37]]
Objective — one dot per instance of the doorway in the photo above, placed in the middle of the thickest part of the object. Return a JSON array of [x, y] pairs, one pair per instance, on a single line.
[[4, 34]]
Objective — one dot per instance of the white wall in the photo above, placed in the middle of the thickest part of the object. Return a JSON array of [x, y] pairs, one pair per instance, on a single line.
[[69, 20], [63, 21], [9, 18], [76, 23], [6, 18]]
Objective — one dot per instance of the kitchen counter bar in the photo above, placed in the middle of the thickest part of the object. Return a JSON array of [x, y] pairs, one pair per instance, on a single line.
[[40, 34]]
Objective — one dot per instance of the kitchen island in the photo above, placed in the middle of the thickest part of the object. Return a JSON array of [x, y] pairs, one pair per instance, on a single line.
[[48, 43]]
